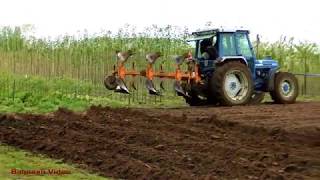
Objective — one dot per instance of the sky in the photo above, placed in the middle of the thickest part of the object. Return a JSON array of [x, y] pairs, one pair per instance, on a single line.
[[269, 18]]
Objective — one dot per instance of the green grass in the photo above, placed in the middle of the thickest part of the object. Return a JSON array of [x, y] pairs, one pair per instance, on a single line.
[[34, 94], [12, 158], [306, 98], [79, 103]]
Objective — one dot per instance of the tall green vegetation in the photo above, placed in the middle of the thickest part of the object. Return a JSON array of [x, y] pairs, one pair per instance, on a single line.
[[86, 59], [303, 57]]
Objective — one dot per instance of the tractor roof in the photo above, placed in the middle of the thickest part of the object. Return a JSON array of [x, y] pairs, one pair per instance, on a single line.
[[213, 31], [209, 33]]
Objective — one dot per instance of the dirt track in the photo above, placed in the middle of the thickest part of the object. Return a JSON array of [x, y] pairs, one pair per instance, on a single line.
[[249, 142]]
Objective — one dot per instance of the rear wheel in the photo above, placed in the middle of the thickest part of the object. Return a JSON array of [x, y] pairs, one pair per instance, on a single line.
[[286, 88], [231, 84]]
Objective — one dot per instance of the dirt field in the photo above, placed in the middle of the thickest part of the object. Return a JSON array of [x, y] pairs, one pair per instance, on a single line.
[[249, 142]]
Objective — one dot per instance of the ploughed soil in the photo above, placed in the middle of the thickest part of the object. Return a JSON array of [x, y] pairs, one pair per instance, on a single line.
[[250, 142]]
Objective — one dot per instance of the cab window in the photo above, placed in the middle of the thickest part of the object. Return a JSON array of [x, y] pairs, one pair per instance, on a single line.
[[244, 46], [228, 43]]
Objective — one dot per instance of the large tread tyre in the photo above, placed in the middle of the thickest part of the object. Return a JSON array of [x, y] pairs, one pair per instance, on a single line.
[[286, 88], [110, 82], [256, 98], [213, 101], [231, 84]]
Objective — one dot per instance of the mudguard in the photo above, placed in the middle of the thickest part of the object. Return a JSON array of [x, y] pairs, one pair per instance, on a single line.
[[231, 58], [272, 74]]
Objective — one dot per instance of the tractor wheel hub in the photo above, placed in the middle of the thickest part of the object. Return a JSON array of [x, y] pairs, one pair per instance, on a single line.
[[236, 85], [286, 88]]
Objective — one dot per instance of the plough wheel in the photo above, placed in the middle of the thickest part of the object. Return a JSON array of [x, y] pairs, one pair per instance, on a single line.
[[110, 82]]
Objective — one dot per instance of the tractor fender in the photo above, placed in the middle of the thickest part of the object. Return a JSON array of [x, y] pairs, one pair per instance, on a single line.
[[272, 74], [224, 59]]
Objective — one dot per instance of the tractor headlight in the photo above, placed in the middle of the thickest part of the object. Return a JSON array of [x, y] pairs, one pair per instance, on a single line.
[[261, 73], [258, 73]]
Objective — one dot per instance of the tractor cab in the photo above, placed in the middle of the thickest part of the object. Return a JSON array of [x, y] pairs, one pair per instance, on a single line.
[[216, 46]]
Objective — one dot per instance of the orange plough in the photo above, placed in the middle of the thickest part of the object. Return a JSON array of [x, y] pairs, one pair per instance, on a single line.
[[116, 81]]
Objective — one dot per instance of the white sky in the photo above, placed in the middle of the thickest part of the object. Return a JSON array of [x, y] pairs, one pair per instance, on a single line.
[[270, 18]]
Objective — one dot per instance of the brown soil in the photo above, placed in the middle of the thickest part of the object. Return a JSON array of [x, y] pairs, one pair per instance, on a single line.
[[248, 142]]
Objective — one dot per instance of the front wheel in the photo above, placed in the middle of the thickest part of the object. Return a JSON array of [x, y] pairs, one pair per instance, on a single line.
[[286, 88], [231, 84]]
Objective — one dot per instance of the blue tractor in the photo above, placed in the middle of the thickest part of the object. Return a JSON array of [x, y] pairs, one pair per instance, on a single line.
[[223, 70], [233, 75]]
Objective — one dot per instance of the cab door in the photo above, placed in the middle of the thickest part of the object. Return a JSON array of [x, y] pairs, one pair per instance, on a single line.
[[245, 49]]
